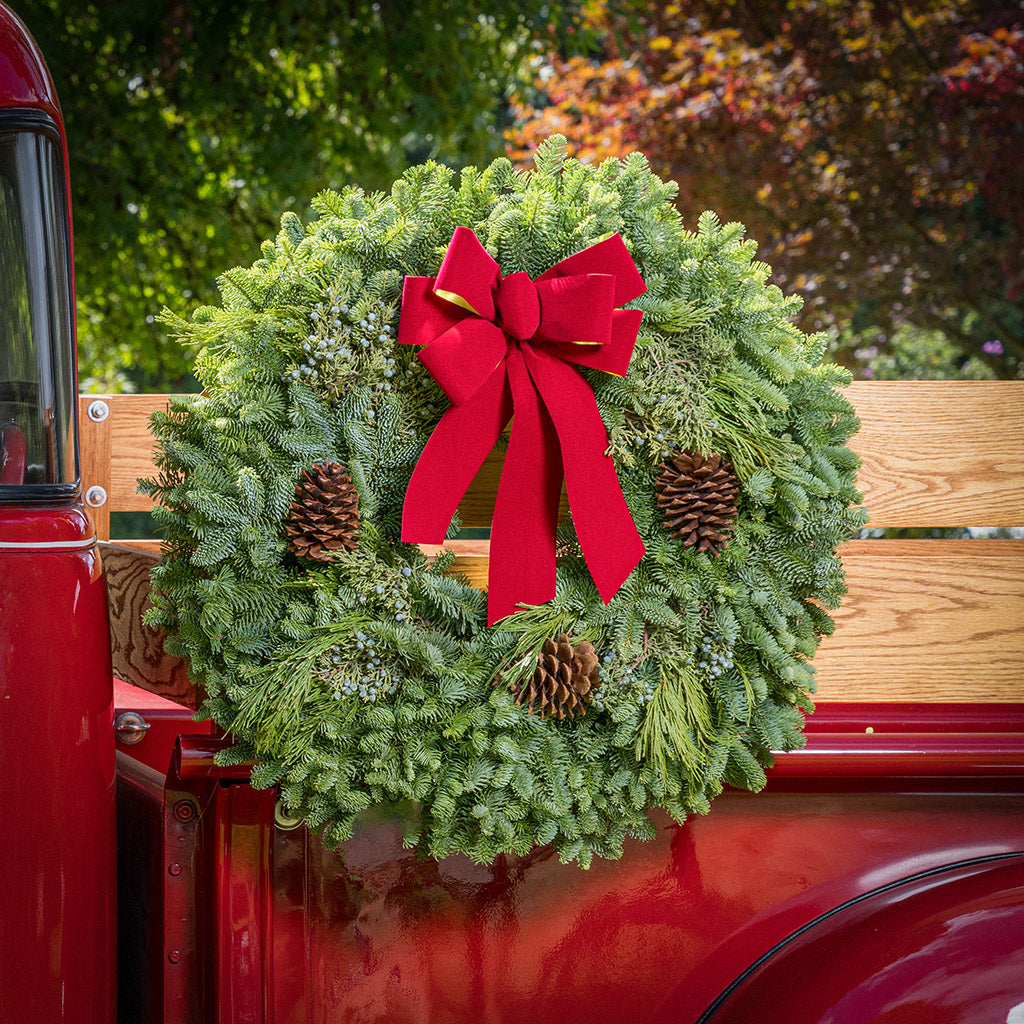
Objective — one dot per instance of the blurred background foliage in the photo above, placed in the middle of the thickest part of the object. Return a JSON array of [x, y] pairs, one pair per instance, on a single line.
[[872, 148], [192, 127]]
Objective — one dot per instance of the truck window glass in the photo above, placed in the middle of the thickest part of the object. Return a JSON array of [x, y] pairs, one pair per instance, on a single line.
[[36, 357]]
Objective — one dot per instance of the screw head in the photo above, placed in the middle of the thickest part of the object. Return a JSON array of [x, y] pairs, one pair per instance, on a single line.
[[96, 496], [174, 956], [98, 411], [174, 869], [283, 817], [184, 810]]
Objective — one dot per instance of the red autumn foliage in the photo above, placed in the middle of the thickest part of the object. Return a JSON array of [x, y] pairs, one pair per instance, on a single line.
[[873, 148]]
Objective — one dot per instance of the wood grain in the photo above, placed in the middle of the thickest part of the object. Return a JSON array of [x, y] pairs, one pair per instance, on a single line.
[[117, 452], [941, 453], [151, 546], [928, 621], [94, 460], [137, 649], [924, 620], [935, 453], [130, 437]]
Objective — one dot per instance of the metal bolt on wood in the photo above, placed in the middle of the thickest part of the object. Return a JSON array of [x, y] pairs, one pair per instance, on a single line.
[[98, 411]]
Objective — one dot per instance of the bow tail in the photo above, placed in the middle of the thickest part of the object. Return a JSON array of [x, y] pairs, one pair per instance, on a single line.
[[522, 554], [453, 454], [607, 535]]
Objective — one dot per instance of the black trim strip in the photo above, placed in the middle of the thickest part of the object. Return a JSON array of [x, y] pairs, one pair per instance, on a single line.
[[27, 119], [708, 1014], [35, 495]]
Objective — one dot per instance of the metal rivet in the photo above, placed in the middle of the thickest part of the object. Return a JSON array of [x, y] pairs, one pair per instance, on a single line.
[[283, 817], [96, 496], [174, 956], [184, 810], [98, 411], [130, 727], [174, 869]]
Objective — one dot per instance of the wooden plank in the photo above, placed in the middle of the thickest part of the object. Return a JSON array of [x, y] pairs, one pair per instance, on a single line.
[[928, 621], [476, 509], [941, 453], [958, 461], [94, 455], [962, 549], [131, 449], [118, 451], [128, 454], [137, 649], [471, 558], [924, 621], [936, 453], [148, 545]]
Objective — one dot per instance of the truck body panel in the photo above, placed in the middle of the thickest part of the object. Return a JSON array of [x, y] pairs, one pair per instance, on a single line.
[[293, 932], [57, 942], [946, 944]]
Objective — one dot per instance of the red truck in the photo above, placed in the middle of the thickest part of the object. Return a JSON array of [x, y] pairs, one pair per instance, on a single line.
[[879, 878]]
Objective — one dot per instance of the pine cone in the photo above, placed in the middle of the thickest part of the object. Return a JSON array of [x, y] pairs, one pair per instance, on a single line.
[[324, 516], [563, 681], [697, 495]]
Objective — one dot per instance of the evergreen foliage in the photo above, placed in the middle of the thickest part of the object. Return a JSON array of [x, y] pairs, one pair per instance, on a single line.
[[192, 126], [371, 680]]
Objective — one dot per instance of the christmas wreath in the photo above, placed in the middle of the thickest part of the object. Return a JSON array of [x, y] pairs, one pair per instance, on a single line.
[[641, 651]]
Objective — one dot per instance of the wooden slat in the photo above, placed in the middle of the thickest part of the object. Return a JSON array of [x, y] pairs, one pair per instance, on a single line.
[[147, 545], [928, 621], [131, 449], [936, 453], [941, 453], [924, 621], [116, 452], [129, 454], [94, 455], [477, 508]]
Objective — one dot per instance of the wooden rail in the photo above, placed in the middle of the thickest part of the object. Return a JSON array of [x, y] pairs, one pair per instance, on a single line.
[[925, 620]]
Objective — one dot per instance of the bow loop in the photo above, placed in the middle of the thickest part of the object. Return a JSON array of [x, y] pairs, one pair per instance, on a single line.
[[462, 358], [468, 276], [608, 257], [500, 349], [577, 309]]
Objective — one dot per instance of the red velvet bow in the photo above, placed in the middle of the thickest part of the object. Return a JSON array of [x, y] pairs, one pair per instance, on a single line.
[[501, 345]]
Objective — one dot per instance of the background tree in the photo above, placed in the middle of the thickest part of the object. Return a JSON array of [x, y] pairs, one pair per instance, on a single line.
[[193, 126], [872, 147]]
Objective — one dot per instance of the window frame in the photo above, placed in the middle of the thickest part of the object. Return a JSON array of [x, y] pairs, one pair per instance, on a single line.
[[62, 353]]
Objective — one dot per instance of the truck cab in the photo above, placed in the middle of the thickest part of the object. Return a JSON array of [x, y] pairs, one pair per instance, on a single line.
[[57, 942]]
